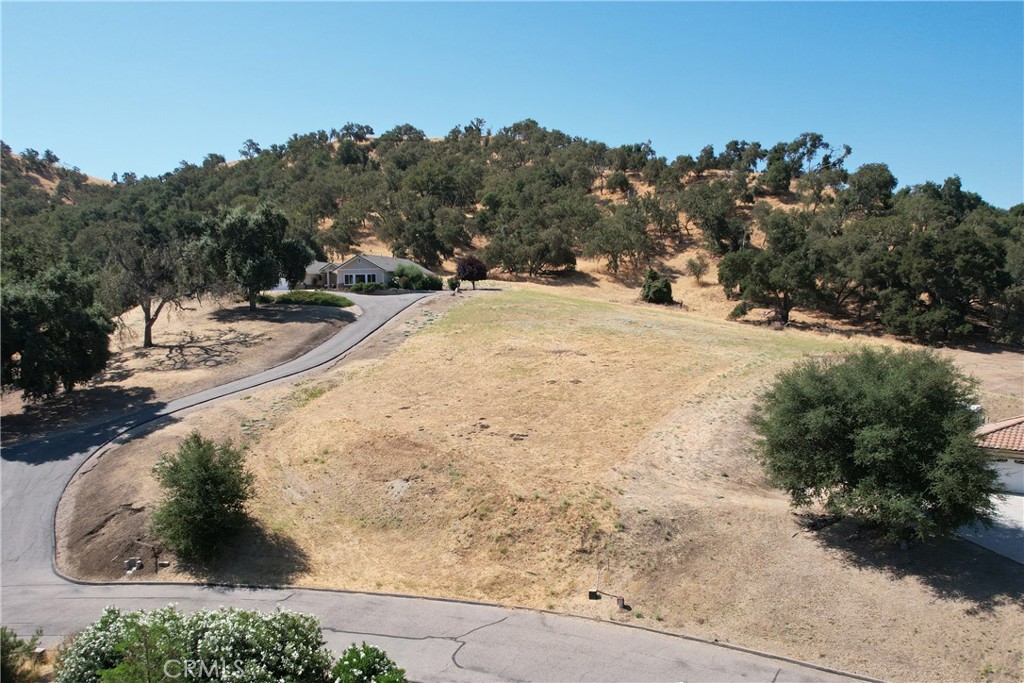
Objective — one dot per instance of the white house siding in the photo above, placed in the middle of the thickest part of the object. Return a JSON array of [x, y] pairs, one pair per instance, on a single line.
[[360, 267], [1011, 475]]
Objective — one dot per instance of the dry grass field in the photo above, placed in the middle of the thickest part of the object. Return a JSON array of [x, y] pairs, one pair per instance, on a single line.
[[521, 446]]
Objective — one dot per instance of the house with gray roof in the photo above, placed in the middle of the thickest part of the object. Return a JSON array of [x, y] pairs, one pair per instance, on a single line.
[[360, 269]]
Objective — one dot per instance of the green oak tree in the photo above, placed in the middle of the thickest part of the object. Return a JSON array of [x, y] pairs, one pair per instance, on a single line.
[[885, 436]]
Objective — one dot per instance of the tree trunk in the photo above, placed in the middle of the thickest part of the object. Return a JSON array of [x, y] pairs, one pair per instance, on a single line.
[[785, 308], [147, 329], [474, 283], [149, 317], [252, 299]]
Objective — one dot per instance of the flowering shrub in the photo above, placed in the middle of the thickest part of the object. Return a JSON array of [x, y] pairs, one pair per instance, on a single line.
[[366, 664], [221, 645]]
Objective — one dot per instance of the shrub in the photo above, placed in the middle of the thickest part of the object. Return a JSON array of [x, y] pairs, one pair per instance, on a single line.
[[313, 298], [656, 289], [206, 488], [262, 298], [697, 267], [366, 287], [361, 663], [411, 277], [126, 647], [16, 656], [618, 182], [740, 310], [886, 436], [471, 269], [453, 283]]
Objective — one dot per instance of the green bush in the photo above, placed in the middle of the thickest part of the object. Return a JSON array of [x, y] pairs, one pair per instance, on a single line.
[[16, 656], [740, 310], [656, 289], [698, 266], [362, 663], [453, 283], [411, 277], [206, 488], [618, 182], [305, 297], [885, 436], [263, 298], [127, 647], [366, 287]]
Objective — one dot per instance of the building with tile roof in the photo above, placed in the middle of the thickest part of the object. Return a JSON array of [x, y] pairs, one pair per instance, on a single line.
[[1004, 441]]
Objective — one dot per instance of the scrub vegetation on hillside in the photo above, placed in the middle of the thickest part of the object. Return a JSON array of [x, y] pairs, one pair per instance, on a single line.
[[791, 226]]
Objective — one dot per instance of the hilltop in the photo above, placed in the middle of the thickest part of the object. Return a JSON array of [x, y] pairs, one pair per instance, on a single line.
[[786, 227]]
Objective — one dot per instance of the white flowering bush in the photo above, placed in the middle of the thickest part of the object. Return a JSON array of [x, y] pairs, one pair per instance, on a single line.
[[220, 645], [366, 664]]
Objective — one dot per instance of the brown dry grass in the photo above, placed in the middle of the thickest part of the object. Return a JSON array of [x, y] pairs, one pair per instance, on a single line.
[[513, 446]]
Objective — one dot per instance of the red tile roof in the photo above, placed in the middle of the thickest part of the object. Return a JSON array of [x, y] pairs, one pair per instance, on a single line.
[[1007, 435]]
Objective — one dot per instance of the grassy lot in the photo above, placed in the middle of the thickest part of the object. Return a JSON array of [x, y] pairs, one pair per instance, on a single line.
[[526, 445]]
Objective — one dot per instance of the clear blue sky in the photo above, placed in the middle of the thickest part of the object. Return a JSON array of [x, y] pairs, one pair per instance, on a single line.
[[932, 89]]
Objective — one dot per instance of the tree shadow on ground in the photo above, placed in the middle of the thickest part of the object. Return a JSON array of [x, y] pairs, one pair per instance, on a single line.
[[284, 313], [258, 555], [191, 351], [91, 409], [953, 569], [633, 276], [563, 278]]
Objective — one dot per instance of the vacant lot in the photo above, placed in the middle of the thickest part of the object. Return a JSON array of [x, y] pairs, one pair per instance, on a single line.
[[524, 446], [207, 343]]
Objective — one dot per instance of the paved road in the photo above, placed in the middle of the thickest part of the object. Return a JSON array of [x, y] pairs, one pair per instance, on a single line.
[[435, 640]]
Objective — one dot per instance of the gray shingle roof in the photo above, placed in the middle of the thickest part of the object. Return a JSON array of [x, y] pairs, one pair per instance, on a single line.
[[316, 267], [389, 263]]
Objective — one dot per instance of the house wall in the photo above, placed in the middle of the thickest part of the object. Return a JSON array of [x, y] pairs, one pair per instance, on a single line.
[[360, 269], [1010, 471]]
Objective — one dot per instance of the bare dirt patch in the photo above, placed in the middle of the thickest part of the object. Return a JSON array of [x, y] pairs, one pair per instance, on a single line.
[[525, 445], [202, 345]]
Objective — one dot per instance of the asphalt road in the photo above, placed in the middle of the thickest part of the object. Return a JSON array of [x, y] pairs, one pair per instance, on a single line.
[[434, 640]]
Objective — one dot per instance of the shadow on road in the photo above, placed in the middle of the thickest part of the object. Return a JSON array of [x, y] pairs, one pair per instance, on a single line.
[[953, 569], [95, 413], [284, 313]]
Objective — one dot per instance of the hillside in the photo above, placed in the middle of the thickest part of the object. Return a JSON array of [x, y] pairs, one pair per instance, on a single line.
[[521, 446], [798, 233]]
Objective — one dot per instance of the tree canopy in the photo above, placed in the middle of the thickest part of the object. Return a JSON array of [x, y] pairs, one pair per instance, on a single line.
[[55, 335], [932, 261], [886, 436]]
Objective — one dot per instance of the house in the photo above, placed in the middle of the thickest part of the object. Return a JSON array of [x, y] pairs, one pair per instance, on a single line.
[[360, 269], [366, 268], [318, 274], [1004, 442]]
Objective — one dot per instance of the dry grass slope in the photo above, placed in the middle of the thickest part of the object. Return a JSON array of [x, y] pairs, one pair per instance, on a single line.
[[508, 448]]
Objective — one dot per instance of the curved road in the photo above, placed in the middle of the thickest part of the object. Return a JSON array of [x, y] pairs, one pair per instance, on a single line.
[[435, 640]]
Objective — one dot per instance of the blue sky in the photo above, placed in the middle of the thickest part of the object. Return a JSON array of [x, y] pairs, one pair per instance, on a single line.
[[932, 89]]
